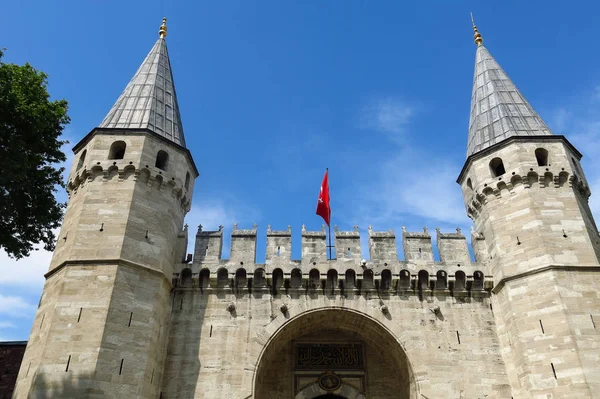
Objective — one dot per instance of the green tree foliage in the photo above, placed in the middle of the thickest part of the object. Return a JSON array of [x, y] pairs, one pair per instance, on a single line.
[[30, 128]]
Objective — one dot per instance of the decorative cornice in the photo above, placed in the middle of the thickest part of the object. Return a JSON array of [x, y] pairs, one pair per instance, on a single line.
[[568, 268], [103, 262]]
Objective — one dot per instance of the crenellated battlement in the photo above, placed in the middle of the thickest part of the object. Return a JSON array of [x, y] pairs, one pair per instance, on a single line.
[[498, 188], [314, 271], [120, 170]]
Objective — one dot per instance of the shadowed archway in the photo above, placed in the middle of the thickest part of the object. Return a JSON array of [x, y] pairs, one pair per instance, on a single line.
[[385, 371]]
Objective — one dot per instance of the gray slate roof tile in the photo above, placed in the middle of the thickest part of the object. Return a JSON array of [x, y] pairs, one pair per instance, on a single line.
[[149, 101], [498, 109]]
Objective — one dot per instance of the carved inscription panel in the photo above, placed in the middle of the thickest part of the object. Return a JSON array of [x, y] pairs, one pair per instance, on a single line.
[[329, 356]]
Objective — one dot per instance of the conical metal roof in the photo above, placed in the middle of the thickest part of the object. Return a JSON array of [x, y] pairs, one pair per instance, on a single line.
[[149, 101], [498, 109]]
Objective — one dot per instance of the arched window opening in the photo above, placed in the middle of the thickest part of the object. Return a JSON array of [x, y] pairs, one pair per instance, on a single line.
[[259, 278], [117, 150], [277, 280], [186, 278], [469, 183], [162, 160], [575, 166], [296, 279], [386, 279], [350, 279], [477, 280], [367, 282], [332, 278], [222, 278], [459, 281], [541, 154], [187, 180], [240, 278], [81, 159], [497, 167], [423, 280], [404, 283], [314, 279], [441, 282], [204, 278]]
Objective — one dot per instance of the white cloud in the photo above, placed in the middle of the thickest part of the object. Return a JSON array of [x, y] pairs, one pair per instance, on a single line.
[[15, 306], [7, 324], [28, 272], [580, 123], [388, 115], [402, 188]]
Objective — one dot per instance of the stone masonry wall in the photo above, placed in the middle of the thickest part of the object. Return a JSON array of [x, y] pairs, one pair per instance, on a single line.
[[11, 355], [102, 324], [225, 312]]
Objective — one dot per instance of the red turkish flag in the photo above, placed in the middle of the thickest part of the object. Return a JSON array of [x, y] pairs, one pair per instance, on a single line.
[[323, 208]]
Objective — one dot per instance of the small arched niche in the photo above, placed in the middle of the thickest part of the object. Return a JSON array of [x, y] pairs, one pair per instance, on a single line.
[[404, 283], [459, 281], [350, 279], [186, 278], [277, 280], [477, 281], [204, 278], [81, 159], [259, 278], [441, 282], [296, 278], [314, 279], [222, 278], [117, 150], [162, 160], [367, 282], [240, 278], [423, 282], [332, 279], [469, 183], [497, 167], [541, 154], [386, 279]]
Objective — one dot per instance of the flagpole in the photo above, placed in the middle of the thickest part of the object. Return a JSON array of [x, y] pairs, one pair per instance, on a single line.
[[329, 225], [330, 241]]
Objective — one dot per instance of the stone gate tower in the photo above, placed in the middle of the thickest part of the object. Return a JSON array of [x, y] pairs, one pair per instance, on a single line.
[[104, 311], [526, 192]]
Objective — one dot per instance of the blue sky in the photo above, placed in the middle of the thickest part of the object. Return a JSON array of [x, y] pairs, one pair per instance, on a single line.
[[273, 93]]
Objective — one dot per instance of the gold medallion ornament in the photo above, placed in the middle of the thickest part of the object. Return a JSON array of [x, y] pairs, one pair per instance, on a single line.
[[329, 381]]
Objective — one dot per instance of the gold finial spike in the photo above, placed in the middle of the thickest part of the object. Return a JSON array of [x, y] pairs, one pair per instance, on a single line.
[[162, 32], [476, 35]]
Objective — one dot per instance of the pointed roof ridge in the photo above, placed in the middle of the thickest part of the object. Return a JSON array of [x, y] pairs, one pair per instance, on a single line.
[[149, 100], [498, 109]]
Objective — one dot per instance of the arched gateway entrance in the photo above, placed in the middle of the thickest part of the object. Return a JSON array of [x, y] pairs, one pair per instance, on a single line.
[[333, 353]]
